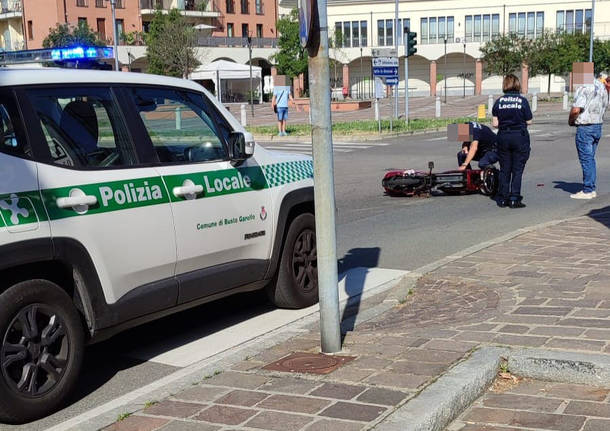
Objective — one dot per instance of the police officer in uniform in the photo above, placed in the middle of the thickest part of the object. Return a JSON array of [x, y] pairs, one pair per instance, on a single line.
[[511, 115], [483, 147]]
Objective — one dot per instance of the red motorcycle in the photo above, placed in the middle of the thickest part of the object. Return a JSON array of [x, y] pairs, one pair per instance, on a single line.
[[411, 182]]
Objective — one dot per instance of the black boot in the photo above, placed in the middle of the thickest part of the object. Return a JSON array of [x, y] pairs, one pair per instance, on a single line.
[[502, 203], [516, 203]]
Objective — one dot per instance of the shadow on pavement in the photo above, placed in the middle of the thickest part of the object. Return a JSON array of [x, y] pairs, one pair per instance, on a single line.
[[568, 187], [353, 268], [601, 215]]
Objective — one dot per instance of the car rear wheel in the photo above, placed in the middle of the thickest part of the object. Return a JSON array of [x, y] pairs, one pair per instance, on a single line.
[[296, 284], [41, 350]]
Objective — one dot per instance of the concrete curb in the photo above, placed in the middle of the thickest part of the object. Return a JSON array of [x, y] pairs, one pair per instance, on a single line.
[[564, 367], [450, 394]]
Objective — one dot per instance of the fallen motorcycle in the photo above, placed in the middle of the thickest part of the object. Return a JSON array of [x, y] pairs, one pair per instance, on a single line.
[[411, 183]]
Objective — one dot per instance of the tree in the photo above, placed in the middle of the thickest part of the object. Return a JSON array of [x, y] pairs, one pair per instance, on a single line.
[[543, 56], [65, 35], [505, 54], [336, 41], [171, 42], [291, 59]]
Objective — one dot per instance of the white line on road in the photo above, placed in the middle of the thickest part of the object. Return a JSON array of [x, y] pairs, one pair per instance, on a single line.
[[442, 138]]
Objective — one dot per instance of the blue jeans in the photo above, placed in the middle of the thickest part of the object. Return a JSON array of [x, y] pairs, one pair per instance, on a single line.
[[587, 138]]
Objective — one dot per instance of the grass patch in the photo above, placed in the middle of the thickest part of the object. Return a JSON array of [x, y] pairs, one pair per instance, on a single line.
[[122, 416], [364, 127]]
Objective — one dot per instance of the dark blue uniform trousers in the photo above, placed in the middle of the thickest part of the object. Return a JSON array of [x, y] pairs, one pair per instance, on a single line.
[[513, 151]]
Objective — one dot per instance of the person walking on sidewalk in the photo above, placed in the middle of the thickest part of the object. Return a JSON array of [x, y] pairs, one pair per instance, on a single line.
[[587, 115], [279, 103], [511, 115]]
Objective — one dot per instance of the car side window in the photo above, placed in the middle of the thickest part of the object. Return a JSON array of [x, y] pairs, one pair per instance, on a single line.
[[179, 126], [11, 142], [83, 127]]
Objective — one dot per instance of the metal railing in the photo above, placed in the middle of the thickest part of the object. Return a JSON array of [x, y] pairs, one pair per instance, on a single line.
[[257, 42], [8, 6], [151, 4]]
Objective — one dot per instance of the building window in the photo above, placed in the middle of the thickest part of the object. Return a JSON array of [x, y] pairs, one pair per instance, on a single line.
[[587, 20], [423, 30], [30, 30], [570, 21], [579, 21], [81, 3], [521, 23], [531, 25], [120, 29], [120, 4], [259, 31], [244, 30], [346, 34], [539, 23], [431, 30], [512, 23], [380, 32], [244, 7], [230, 6], [100, 3], [561, 24], [482, 28], [230, 32], [338, 35], [81, 21], [389, 32], [441, 29], [363, 33], [450, 29], [259, 7], [355, 34], [101, 28]]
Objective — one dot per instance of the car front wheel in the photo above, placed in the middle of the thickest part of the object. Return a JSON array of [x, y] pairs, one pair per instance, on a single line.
[[41, 352], [296, 283]]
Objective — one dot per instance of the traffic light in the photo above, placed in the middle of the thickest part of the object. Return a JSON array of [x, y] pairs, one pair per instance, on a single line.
[[411, 42]]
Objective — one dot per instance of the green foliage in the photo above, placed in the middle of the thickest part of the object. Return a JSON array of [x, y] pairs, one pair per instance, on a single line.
[[65, 35], [291, 59], [132, 38], [505, 54], [171, 42]]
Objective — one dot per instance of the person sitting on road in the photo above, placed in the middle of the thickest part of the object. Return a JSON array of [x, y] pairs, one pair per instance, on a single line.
[[482, 148]]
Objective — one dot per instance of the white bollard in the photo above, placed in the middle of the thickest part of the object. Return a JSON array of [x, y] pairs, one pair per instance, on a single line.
[[438, 107], [376, 109], [490, 104], [535, 102], [244, 116], [565, 100], [178, 118]]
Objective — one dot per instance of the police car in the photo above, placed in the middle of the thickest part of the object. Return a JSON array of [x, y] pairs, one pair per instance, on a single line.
[[126, 197]]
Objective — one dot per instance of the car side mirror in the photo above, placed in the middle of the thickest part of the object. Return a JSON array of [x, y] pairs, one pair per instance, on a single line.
[[241, 150]]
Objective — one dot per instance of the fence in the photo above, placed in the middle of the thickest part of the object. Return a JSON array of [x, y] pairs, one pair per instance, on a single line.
[[257, 42]]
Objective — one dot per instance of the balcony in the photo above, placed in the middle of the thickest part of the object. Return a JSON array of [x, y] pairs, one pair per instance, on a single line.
[[10, 9], [192, 8], [239, 42]]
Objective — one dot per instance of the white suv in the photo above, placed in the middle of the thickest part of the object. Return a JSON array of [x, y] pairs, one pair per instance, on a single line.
[[126, 197]]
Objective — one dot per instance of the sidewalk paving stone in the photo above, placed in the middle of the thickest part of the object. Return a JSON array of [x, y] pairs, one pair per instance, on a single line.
[[557, 298]]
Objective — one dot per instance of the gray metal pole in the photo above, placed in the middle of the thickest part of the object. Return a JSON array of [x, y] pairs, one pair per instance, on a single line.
[[591, 39], [250, 61], [324, 190], [396, 38], [445, 85], [464, 70], [405, 38], [114, 41]]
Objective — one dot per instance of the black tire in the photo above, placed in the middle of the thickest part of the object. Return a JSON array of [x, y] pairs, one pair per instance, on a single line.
[[296, 283], [41, 350]]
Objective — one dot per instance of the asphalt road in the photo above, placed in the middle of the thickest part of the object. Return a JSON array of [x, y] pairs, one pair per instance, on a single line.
[[374, 230]]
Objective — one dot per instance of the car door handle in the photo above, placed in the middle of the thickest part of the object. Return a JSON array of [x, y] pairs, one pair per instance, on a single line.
[[76, 201], [182, 191]]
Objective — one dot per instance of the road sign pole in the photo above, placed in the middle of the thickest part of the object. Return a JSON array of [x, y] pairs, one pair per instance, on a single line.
[[406, 89], [324, 190]]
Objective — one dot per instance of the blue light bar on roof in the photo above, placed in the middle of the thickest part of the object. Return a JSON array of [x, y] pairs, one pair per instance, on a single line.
[[82, 53]]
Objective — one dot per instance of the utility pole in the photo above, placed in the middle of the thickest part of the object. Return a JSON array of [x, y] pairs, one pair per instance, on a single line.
[[250, 62], [445, 67], [464, 69], [405, 40], [114, 36], [396, 38], [591, 38], [324, 190]]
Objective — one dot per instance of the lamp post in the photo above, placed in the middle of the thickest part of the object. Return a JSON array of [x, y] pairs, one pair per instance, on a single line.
[[464, 69], [445, 67], [250, 61], [361, 86], [591, 37], [114, 35]]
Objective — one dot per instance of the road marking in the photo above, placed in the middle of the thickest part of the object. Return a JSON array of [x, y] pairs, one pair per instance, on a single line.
[[351, 284], [77, 421], [442, 138]]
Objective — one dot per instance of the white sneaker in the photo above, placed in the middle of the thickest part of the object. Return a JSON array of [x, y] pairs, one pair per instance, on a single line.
[[583, 195]]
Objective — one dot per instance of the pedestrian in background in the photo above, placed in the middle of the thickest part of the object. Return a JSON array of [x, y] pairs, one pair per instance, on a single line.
[[587, 114], [279, 103], [511, 115]]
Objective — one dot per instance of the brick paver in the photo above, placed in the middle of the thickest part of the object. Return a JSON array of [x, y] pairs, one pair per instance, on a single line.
[[543, 406], [548, 288]]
